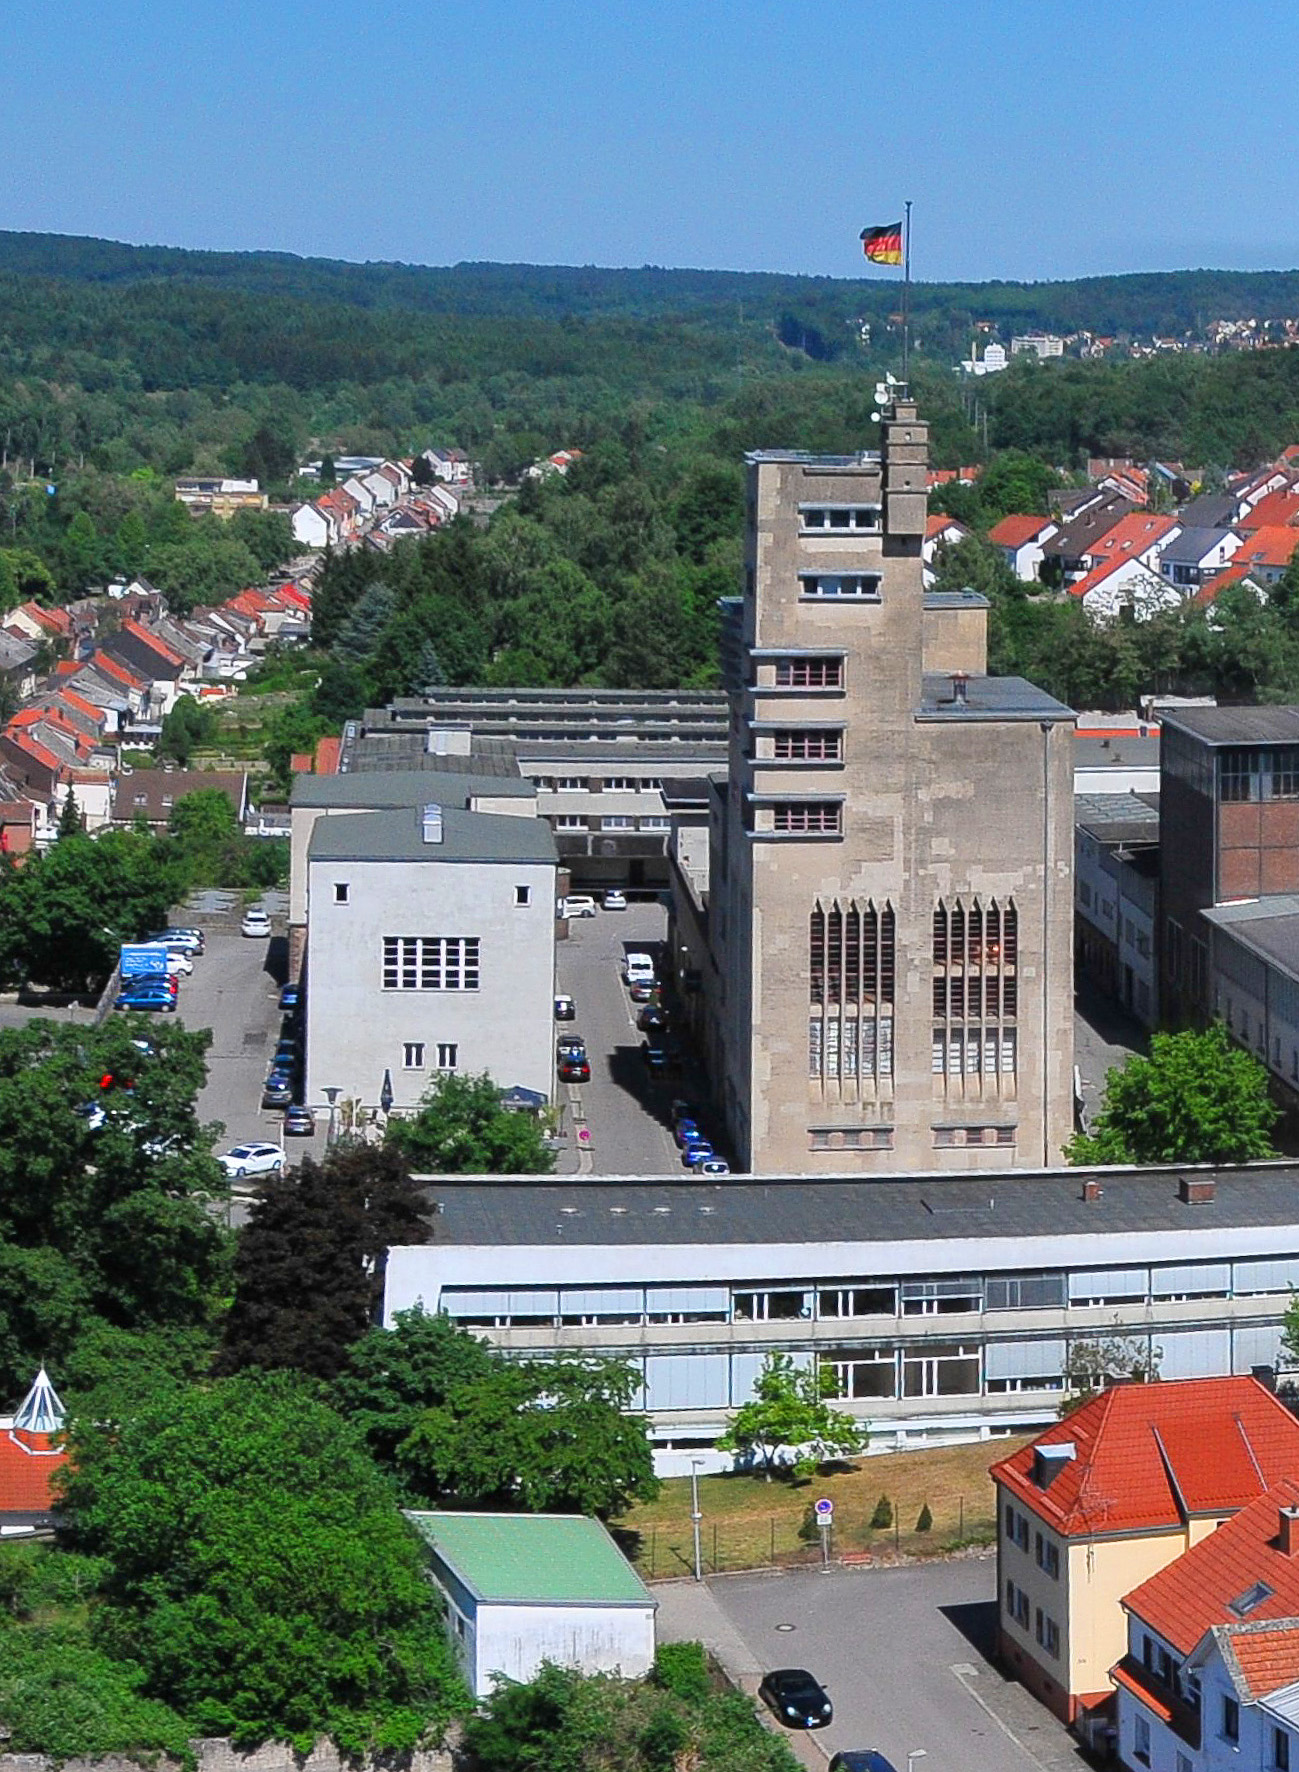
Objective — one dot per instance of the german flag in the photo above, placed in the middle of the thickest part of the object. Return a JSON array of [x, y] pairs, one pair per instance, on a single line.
[[883, 246]]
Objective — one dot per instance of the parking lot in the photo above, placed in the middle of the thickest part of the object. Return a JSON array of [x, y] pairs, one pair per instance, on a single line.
[[903, 1654], [625, 1110]]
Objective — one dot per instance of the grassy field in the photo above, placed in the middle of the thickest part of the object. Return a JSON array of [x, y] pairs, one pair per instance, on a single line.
[[748, 1522]]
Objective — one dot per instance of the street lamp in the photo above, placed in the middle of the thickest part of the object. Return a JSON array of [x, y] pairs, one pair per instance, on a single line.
[[917, 1753], [696, 1465], [331, 1096]]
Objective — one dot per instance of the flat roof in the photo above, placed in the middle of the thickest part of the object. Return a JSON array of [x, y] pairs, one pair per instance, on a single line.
[[1214, 726], [1118, 818], [989, 698], [484, 1211], [966, 599], [1268, 926], [406, 787], [865, 458], [1122, 750], [397, 835], [533, 1559]]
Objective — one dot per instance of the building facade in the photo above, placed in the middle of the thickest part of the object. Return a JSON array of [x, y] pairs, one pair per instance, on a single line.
[[891, 975], [944, 1305]]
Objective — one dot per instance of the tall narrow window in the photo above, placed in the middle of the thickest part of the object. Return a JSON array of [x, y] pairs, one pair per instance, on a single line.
[[975, 988], [851, 970]]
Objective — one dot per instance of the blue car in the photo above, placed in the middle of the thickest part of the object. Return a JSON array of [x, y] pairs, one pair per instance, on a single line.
[[695, 1154], [685, 1130], [142, 998], [291, 997]]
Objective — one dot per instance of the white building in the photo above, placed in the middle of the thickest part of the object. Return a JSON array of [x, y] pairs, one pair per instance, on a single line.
[[523, 1589], [1116, 889], [312, 527], [944, 1305], [356, 487], [430, 947]]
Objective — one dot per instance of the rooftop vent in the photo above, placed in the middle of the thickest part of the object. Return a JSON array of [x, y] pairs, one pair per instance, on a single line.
[[430, 819], [1196, 1190], [1050, 1460], [960, 688], [1288, 1537]]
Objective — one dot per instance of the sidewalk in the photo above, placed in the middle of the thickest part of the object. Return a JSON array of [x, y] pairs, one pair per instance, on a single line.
[[688, 1613]]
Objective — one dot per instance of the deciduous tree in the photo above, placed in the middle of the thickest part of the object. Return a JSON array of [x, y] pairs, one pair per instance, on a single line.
[[461, 1128], [790, 1413]]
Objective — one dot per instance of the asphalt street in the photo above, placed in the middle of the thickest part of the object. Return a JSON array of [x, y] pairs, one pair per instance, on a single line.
[[902, 1653], [234, 991], [625, 1112]]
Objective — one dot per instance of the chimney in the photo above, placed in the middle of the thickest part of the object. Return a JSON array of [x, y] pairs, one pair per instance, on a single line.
[[1196, 1190], [1288, 1537], [1092, 1189], [960, 682], [431, 824]]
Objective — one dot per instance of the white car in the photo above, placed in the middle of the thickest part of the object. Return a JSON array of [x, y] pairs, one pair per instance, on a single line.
[[252, 1159], [255, 922], [638, 969], [180, 963], [615, 901], [577, 906]]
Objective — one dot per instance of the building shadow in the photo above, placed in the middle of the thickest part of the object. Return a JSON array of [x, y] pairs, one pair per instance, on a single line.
[[977, 1622]]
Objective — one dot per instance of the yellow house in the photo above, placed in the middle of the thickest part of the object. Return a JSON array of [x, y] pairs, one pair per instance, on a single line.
[[1106, 1498]]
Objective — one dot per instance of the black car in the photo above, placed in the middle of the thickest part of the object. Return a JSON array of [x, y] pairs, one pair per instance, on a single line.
[[861, 1760], [570, 1046], [651, 1019], [791, 1694], [291, 997]]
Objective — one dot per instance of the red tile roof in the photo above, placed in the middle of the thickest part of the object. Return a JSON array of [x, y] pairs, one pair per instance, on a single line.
[[1149, 1455], [111, 668], [68, 667], [1015, 530], [939, 521], [57, 621], [328, 752], [149, 638], [27, 1465], [1123, 1677], [1132, 535], [1199, 1590], [83, 706], [1272, 546], [1209, 590], [1278, 509], [1267, 1658]]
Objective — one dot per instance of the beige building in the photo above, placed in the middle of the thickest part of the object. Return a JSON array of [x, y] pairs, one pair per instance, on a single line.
[[1105, 1499], [889, 973]]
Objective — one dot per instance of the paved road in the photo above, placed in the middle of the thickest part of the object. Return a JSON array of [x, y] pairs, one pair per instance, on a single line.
[[234, 991], [902, 1654], [625, 1111], [1104, 1035]]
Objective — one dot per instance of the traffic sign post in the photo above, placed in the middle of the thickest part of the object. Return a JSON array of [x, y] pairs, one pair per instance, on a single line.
[[824, 1511]]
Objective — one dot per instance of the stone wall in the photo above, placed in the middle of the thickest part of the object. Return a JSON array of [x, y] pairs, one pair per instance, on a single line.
[[216, 1754]]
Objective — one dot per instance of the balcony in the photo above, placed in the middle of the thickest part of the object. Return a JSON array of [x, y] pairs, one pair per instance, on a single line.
[[1164, 1701]]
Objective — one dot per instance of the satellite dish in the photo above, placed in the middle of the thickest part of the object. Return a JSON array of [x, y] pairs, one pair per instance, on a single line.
[[875, 417]]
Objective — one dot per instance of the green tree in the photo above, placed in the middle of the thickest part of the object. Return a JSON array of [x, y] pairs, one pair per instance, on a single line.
[[976, 565], [71, 823], [328, 472], [393, 1375], [790, 1412], [460, 1128], [258, 1571], [1196, 1099], [544, 1435], [188, 726], [32, 580], [1099, 1361], [882, 1518], [131, 545], [310, 1264], [81, 552], [360, 633], [268, 536]]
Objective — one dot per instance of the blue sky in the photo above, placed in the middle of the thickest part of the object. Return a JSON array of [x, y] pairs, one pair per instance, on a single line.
[[1036, 140]]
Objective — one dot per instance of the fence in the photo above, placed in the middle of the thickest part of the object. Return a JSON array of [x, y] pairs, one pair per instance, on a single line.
[[789, 1538]]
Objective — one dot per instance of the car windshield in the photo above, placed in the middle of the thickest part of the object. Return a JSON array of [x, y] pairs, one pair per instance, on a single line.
[[241, 1150]]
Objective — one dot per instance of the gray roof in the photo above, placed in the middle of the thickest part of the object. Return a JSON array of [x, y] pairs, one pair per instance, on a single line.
[[398, 836], [1190, 547], [1118, 818], [1210, 510], [1269, 725], [864, 459], [1121, 750], [1267, 926], [1080, 533], [966, 599], [406, 787], [15, 653], [989, 698], [482, 1211]]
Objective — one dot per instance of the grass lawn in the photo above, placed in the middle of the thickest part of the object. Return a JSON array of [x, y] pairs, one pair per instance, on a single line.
[[748, 1522]]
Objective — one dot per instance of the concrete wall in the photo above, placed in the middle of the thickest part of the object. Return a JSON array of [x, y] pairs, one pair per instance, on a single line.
[[513, 1641], [956, 640], [356, 1030]]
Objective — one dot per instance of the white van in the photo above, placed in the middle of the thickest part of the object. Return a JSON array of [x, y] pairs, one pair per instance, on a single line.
[[638, 969]]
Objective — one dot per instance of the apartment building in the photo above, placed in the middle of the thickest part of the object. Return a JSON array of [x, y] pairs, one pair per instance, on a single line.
[[890, 971]]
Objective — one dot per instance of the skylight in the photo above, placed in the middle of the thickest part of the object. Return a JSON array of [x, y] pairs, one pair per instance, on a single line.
[[1252, 1598]]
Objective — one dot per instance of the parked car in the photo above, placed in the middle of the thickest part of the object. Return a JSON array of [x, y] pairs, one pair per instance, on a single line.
[[290, 998], [256, 923], [684, 1110], [252, 1159], [642, 991], [161, 1002], [638, 969], [655, 1057], [565, 1009], [183, 941], [179, 964], [651, 1019], [614, 901], [575, 1067], [800, 1702], [569, 1045], [861, 1760], [713, 1166], [577, 904], [299, 1122], [684, 1130], [692, 1155], [287, 1048], [277, 1091]]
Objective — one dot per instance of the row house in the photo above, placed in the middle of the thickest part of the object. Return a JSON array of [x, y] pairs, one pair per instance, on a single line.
[[941, 531], [452, 466], [1123, 569], [18, 664], [153, 660], [32, 622], [1068, 553], [1021, 541]]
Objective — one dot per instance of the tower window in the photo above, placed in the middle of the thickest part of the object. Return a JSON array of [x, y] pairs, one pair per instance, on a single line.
[[809, 673], [809, 817], [857, 587], [809, 747], [839, 519]]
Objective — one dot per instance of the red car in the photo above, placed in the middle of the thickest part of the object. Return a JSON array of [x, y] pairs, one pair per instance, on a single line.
[[575, 1067]]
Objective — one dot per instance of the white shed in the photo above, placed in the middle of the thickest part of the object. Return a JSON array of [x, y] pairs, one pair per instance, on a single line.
[[522, 1589]]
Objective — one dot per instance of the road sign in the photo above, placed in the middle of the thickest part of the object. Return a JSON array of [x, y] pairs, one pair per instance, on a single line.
[[143, 959], [824, 1512]]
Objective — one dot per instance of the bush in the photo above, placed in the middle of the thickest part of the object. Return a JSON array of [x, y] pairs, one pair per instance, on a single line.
[[882, 1518], [925, 1520], [682, 1669]]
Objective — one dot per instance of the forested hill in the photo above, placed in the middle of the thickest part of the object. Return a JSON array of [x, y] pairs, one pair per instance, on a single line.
[[1146, 302]]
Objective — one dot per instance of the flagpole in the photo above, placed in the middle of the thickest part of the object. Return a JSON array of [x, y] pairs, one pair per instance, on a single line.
[[906, 298]]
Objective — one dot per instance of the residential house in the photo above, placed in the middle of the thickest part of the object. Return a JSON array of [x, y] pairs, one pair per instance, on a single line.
[[18, 663], [1280, 509], [1068, 553], [1128, 482], [222, 498], [33, 622], [1111, 1495], [1249, 490], [941, 531], [1210, 1677], [1021, 539], [1122, 569], [357, 490], [313, 525], [398, 477], [147, 656], [1265, 553], [380, 487], [451, 465], [342, 512], [1211, 510], [30, 1455], [1194, 555], [150, 794]]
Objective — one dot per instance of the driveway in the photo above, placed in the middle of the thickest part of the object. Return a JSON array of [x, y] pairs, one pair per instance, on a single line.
[[234, 990], [625, 1112], [903, 1654]]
